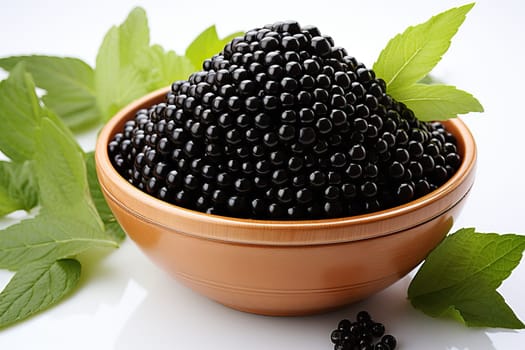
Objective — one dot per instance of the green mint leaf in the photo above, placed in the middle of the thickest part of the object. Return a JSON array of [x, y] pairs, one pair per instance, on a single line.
[[18, 188], [112, 227], [49, 237], [429, 79], [437, 102], [161, 68], [206, 45], [133, 35], [20, 113], [36, 287], [410, 56], [68, 222], [59, 167], [118, 80], [69, 84], [460, 276]]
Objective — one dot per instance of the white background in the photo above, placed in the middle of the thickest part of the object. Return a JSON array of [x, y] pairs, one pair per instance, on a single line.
[[124, 302]]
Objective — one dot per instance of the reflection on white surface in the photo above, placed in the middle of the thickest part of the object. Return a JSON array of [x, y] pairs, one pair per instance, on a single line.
[[5, 276], [206, 324], [126, 303], [111, 319], [92, 318], [107, 320]]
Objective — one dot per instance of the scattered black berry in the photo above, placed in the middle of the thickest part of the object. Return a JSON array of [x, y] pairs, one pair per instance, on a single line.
[[389, 340], [337, 336], [378, 329], [282, 124], [381, 346], [362, 334]]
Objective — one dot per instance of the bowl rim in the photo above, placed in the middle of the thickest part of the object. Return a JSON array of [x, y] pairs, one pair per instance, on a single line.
[[278, 232]]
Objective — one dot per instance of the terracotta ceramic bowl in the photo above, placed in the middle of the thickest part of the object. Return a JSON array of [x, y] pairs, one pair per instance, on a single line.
[[284, 267]]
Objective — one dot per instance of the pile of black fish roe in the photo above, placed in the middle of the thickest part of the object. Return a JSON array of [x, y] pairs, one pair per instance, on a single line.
[[282, 124]]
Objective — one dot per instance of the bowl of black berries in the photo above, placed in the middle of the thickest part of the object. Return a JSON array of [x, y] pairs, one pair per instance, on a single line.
[[282, 179]]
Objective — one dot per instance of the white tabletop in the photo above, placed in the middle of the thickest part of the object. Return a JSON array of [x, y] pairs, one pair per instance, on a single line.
[[125, 302]]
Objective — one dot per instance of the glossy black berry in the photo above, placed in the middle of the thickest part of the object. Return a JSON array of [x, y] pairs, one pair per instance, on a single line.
[[337, 336], [283, 124], [363, 333], [389, 340], [381, 346], [269, 44], [363, 316], [344, 325], [320, 45], [378, 329]]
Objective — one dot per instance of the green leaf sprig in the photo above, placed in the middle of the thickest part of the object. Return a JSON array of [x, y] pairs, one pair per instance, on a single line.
[[17, 187], [459, 279], [409, 57], [43, 249], [37, 286], [127, 67]]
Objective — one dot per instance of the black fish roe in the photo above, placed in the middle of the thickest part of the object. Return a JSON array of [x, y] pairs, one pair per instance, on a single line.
[[362, 334], [282, 124]]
